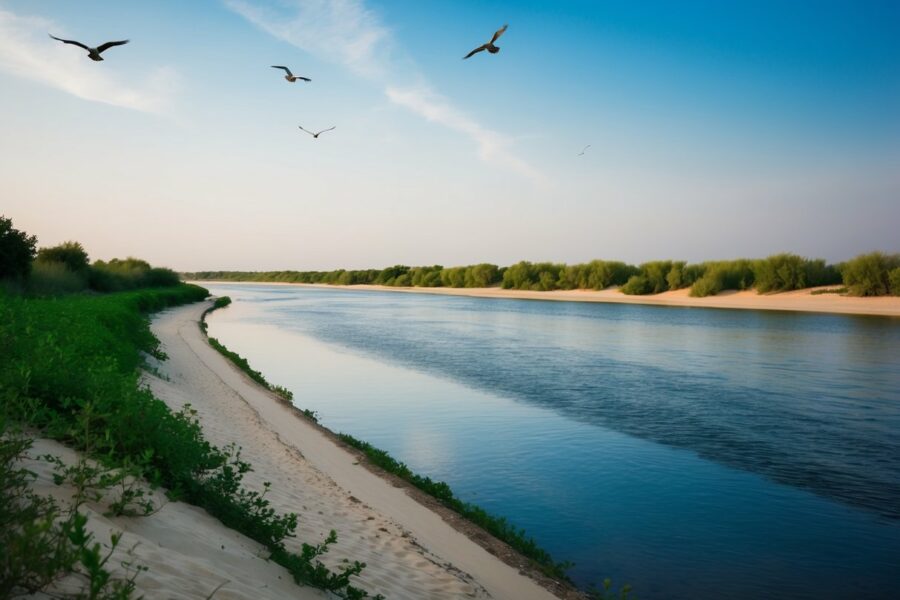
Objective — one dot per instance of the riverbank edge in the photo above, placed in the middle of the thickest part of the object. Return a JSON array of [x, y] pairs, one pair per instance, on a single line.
[[527, 567], [804, 300]]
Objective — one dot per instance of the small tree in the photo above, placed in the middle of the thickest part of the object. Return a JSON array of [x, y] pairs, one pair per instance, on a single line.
[[17, 250], [71, 254]]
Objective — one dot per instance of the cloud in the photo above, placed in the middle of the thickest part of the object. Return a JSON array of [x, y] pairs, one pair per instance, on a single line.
[[492, 146], [27, 52], [348, 33], [342, 31]]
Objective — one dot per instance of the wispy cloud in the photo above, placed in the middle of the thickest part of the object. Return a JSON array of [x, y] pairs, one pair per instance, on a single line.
[[27, 52], [343, 31], [348, 33], [492, 146]]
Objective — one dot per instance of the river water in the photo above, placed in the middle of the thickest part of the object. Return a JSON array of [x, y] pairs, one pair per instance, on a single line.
[[693, 453]]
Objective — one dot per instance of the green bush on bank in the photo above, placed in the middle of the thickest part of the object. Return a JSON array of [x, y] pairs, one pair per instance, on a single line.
[[871, 274]]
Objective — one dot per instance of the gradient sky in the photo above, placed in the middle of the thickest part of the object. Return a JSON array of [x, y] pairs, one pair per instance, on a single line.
[[717, 130]]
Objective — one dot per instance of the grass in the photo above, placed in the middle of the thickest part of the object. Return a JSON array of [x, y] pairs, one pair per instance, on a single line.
[[69, 368], [837, 290]]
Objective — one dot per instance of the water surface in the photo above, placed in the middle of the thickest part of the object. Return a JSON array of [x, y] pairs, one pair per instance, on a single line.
[[695, 453]]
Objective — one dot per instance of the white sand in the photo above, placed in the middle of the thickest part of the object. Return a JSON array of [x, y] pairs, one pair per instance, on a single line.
[[188, 553], [411, 552], [799, 300]]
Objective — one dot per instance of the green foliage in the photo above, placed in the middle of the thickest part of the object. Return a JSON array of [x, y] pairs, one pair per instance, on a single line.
[[785, 272], [869, 274], [499, 527], [17, 250], [533, 276], [41, 542], [54, 278], [894, 281], [69, 367], [71, 254], [129, 274], [636, 285], [723, 275], [607, 593]]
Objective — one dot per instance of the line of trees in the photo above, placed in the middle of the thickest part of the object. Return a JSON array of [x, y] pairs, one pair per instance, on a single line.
[[873, 274], [67, 268]]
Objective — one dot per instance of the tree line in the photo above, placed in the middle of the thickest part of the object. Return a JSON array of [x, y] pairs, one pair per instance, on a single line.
[[872, 274], [67, 268]]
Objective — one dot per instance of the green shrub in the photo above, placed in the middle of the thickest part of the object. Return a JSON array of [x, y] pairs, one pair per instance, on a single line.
[[17, 250], [868, 274], [894, 280], [54, 278], [637, 285], [71, 254], [723, 275], [785, 272]]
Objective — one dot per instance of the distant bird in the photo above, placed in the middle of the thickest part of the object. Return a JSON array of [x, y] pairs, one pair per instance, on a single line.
[[93, 53], [585, 150], [316, 135], [490, 47], [290, 76]]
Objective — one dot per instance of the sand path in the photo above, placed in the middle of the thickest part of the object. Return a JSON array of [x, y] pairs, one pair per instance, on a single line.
[[411, 552]]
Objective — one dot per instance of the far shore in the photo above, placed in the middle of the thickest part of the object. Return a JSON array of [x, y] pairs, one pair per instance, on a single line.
[[798, 300]]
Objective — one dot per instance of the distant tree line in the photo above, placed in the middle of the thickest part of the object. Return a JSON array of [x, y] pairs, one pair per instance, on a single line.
[[67, 268], [873, 274]]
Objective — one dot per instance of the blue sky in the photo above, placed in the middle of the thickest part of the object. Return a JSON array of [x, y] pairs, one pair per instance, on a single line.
[[717, 130]]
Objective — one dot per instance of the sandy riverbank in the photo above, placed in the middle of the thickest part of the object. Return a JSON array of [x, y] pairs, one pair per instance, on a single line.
[[411, 551], [799, 300]]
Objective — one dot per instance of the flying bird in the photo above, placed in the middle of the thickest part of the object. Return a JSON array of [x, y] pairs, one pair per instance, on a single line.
[[290, 76], [93, 53], [316, 135], [585, 150], [490, 47]]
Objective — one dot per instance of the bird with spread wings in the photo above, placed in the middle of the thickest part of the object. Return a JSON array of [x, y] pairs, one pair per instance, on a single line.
[[490, 47], [93, 53], [290, 76]]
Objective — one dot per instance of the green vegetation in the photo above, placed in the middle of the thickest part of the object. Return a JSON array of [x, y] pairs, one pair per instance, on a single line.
[[866, 275], [238, 360], [497, 526], [66, 268], [41, 541], [873, 274], [17, 250], [70, 369]]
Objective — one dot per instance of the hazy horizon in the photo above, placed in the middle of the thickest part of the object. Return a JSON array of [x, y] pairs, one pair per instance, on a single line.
[[716, 131]]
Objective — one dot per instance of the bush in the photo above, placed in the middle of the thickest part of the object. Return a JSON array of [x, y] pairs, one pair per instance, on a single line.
[[785, 272], [868, 274], [54, 278], [17, 250], [723, 275], [71, 254], [894, 280], [637, 285]]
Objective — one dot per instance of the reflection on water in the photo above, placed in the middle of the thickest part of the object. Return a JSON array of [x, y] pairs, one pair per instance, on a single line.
[[678, 449]]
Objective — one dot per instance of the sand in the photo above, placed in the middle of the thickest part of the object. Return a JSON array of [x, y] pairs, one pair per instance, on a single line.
[[799, 300], [411, 551]]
